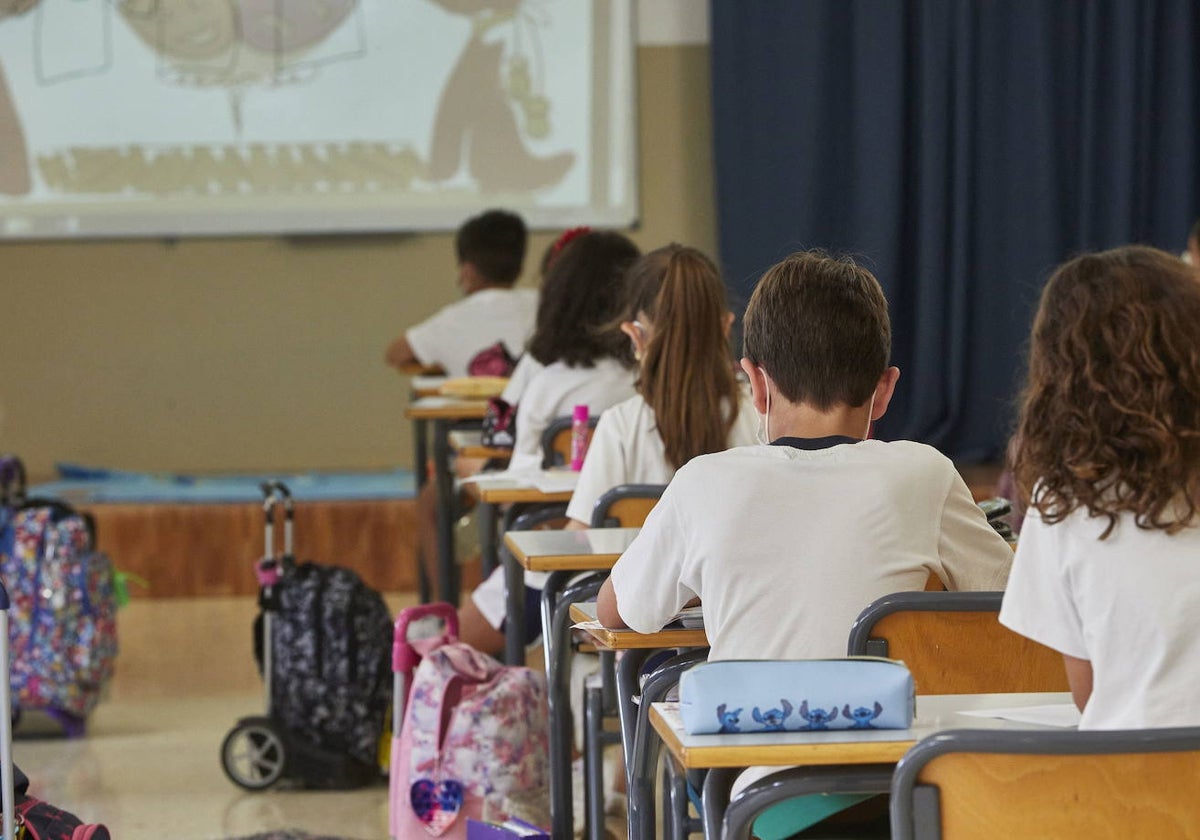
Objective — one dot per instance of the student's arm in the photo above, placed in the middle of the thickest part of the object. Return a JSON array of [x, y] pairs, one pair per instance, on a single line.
[[400, 354], [606, 607], [972, 555], [1079, 677], [646, 588]]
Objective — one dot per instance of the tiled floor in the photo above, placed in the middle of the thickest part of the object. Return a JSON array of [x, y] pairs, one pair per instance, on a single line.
[[149, 766]]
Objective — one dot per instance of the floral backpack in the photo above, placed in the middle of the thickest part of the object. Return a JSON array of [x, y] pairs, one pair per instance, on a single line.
[[475, 735]]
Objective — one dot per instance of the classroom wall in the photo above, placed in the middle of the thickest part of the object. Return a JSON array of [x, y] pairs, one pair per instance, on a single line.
[[260, 354]]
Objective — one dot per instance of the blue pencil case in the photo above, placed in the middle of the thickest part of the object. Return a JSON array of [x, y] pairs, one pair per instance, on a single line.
[[859, 692]]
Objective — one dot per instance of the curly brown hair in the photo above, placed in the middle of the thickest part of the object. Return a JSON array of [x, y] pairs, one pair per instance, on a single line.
[[1110, 415]]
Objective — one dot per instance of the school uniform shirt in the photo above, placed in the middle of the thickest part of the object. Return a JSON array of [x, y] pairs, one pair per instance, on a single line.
[[527, 367], [786, 544], [456, 333], [626, 448], [1125, 603], [554, 391]]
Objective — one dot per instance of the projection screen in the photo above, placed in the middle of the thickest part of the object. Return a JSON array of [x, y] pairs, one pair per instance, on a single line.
[[206, 117]]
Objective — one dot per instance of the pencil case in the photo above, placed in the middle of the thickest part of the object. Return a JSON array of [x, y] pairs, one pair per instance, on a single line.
[[751, 696]]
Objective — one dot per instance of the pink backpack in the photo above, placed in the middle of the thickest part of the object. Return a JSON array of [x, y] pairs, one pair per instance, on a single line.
[[475, 732]]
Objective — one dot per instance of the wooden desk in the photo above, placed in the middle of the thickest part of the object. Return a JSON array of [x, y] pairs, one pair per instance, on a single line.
[[469, 444], [831, 754], [427, 386], [587, 550], [442, 412], [631, 639], [517, 492]]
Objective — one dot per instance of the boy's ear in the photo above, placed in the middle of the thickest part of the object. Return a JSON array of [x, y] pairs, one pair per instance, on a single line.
[[758, 385], [884, 390]]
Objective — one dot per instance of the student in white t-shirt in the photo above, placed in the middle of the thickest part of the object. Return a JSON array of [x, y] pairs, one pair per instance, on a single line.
[[491, 249], [688, 401], [785, 543], [584, 360], [1109, 451]]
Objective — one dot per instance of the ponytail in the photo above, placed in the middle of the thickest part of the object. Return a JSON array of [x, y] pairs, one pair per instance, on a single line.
[[687, 374]]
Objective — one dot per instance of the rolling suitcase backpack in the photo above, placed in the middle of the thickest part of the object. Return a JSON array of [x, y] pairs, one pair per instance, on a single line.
[[36, 820], [323, 641], [63, 625], [475, 734]]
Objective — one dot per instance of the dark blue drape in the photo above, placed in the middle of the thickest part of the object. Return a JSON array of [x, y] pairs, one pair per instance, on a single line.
[[961, 149]]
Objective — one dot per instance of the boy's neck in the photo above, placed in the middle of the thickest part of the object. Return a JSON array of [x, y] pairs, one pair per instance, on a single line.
[[804, 421]]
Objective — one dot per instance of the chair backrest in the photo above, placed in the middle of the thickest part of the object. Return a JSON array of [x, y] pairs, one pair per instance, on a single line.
[[556, 441], [954, 643], [626, 505], [986, 783]]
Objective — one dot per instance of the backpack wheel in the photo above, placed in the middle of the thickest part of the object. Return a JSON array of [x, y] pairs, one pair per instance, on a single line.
[[253, 754]]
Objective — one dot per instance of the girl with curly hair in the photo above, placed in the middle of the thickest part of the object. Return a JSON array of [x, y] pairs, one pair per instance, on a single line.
[[1107, 571]]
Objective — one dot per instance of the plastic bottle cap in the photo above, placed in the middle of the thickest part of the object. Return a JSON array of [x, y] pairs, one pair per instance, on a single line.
[[581, 413]]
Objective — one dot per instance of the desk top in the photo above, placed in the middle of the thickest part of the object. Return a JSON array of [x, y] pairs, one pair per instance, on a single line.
[[631, 639], [469, 444], [427, 386], [935, 713], [446, 408], [534, 486], [589, 550]]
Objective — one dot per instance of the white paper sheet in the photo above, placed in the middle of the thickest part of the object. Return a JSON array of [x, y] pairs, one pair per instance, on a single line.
[[1058, 714]]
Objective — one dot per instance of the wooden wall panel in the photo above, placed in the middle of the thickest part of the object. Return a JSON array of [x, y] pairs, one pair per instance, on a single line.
[[208, 549]]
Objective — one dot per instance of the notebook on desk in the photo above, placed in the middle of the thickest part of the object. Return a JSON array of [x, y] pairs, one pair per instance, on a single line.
[[689, 618]]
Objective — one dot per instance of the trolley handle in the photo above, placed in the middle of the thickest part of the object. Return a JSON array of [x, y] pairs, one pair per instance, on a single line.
[[277, 493], [404, 655], [8, 797]]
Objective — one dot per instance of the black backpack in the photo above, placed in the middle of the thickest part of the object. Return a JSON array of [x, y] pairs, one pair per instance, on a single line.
[[331, 676]]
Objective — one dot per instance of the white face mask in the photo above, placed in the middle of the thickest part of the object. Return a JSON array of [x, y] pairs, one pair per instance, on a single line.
[[763, 433]]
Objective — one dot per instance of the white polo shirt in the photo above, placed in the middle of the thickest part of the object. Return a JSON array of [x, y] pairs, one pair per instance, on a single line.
[[627, 449], [785, 546], [457, 332], [1125, 603], [554, 391]]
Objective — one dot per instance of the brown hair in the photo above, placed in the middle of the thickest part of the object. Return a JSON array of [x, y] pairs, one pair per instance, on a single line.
[[581, 300], [1110, 416], [818, 325], [687, 374]]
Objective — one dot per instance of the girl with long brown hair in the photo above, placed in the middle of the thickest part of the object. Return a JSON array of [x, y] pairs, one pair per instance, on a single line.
[[1107, 571], [688, 401]]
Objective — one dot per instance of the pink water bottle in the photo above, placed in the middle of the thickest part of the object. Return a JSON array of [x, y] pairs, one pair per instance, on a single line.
[[579, 436]]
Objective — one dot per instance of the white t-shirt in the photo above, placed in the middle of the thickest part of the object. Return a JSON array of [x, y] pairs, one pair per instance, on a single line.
[[554, 391], [1125, 603], [627, 449], [527, 367], [786, 546], [457, 332], [548, 393]]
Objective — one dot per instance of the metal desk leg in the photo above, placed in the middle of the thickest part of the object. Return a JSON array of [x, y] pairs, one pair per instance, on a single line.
[[717, 784], [557, 597], [514, 594], [489, 539], [420, 431], [629, 668], [447, 565]]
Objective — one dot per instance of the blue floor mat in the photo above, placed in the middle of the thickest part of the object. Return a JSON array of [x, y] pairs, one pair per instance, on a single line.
[[84, 485]]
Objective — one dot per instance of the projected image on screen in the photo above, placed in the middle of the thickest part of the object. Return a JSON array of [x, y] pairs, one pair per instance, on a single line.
[[176, 117]]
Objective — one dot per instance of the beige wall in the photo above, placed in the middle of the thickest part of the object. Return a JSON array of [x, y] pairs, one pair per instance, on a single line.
[[266, 353]]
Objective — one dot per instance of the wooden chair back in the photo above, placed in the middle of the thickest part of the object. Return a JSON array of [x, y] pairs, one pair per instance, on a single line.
[[556, 441], [626, 506], [954, 643], [967, 784]]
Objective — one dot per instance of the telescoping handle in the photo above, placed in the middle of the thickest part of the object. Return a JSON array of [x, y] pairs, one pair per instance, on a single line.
[[8, 799], [276, 492]]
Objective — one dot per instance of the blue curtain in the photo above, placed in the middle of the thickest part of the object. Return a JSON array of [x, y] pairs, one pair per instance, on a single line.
[[961, 149]]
